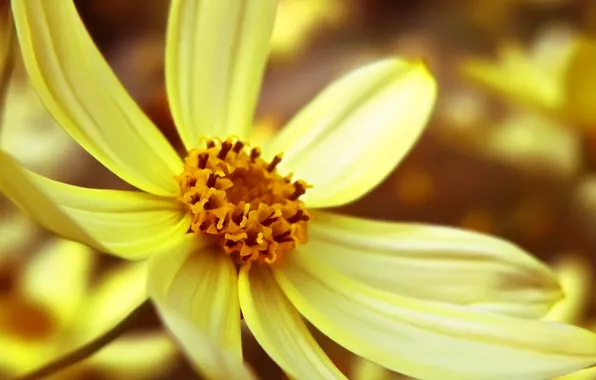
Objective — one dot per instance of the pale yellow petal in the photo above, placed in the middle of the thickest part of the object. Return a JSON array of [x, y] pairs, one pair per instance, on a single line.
[[215, 57], [586, 374], [117, 293], [353, 134], [128, 224], [80, 90], [576, 278], [57, 277], [279, 328], [194, 288], [434, 263], [433, 340], [580, 82], [137, 356]]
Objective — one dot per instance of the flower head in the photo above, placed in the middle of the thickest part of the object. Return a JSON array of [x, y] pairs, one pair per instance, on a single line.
[[236, 228]]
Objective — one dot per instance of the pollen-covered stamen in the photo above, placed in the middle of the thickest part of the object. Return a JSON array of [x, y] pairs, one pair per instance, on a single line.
[[239, 198], [273, 164]]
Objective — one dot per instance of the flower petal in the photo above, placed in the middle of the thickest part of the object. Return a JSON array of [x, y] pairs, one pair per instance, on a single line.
[[435, 263], [118, 293], [80, 90], [432, 340], [215, 57], [195, 290], [128, 224], [279, 328], [575, 275], [57, 277], [135, 356], [358, 129]]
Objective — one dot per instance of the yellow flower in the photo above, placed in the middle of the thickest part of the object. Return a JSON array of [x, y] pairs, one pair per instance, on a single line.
[[556, 77], [53, 309], [230, 230]]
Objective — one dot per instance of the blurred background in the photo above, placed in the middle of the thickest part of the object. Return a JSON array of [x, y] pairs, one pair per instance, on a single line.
[[510, 151]]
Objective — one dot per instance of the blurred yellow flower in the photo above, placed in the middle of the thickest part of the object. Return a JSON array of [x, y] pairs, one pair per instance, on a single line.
[[53, 309], [556, 77], [225, 232], [529, 141]]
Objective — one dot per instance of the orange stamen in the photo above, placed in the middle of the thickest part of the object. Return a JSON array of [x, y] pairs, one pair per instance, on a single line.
[[238, 198]]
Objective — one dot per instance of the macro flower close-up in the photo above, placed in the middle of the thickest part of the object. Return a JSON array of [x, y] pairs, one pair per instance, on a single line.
[[234, 233]]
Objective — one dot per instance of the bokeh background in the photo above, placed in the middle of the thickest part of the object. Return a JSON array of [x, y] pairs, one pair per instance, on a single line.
[[510, 151]]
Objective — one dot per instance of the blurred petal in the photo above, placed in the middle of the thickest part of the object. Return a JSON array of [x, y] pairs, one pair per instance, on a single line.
[[432, 340], [17, 233], [215, 56], [580, 84], [434, 263], [279, 328], [118, 292], [128, 224], [19, 356], [146, 356], [359, 129], [514, 77], [575, 275], [299, 21], [585, 374], [32, 136], [363, 369], [531, 142], [57, 277], [80, 90], [194, 287], [552, 50]]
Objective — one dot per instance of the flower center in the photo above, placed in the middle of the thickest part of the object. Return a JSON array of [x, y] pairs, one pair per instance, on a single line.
[[238, 198]]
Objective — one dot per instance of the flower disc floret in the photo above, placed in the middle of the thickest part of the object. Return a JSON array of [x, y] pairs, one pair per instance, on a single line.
[[239, 199]]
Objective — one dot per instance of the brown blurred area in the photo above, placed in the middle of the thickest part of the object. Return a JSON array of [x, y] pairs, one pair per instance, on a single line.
[[444, 180]]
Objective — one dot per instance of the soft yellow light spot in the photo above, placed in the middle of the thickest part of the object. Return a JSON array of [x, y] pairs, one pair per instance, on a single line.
[[240, 200]]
